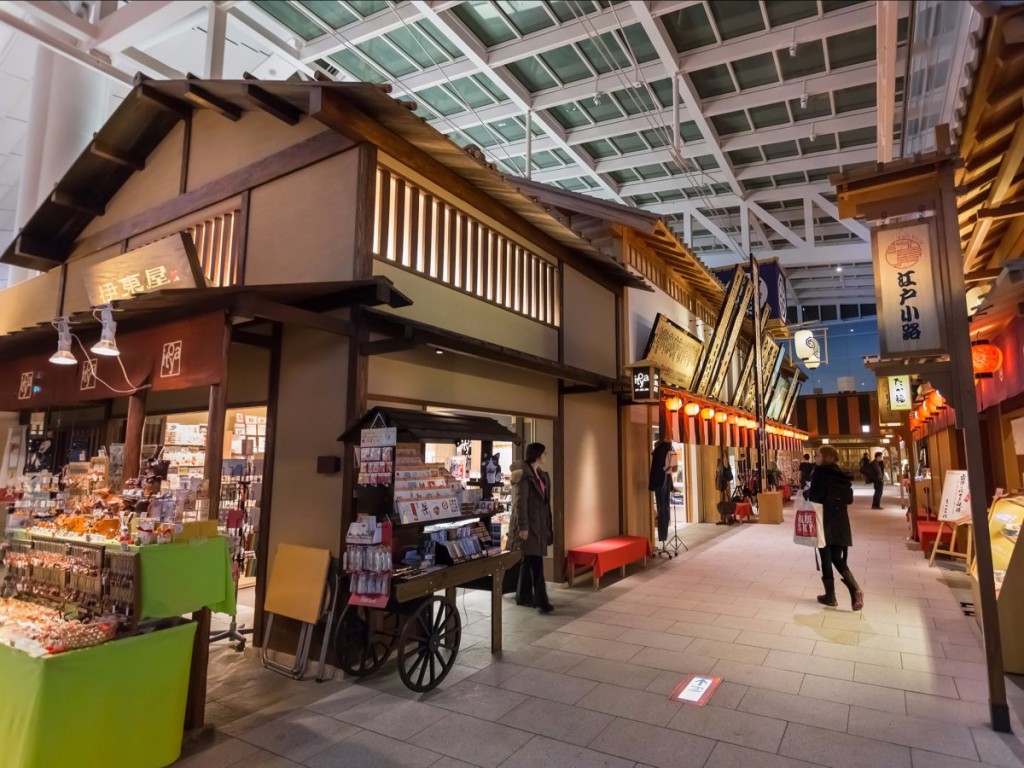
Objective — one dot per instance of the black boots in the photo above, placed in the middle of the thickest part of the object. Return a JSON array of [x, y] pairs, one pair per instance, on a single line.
[[856, 593], [829, 598]]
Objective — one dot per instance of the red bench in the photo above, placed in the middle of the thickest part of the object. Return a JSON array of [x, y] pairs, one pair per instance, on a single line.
[[606, 555]]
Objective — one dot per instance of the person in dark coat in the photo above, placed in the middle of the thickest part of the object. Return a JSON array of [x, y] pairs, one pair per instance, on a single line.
[[806, 470], [524, 582], [877, 474], [832, 487], [533, 518]]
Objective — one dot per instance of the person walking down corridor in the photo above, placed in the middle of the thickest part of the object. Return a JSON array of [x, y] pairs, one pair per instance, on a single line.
[[833, 489], [878, 479], [533, 516], [806, 470]]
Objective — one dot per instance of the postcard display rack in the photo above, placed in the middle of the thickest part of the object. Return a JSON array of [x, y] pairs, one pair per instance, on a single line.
[[410, 541], [1005, 518]]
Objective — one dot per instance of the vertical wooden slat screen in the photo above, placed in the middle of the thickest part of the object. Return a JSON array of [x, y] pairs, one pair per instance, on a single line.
[[421, 232], [216, 241], [857, 417]]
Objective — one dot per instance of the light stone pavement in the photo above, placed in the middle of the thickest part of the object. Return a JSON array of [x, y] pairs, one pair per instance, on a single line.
[[901, 684]]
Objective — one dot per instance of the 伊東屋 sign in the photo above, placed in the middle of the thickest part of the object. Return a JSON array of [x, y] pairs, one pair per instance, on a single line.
[[167, 263], [910, 307], [645, 384]]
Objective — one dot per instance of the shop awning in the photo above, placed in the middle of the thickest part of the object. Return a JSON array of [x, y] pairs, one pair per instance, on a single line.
[[425, 427], [298, 303]]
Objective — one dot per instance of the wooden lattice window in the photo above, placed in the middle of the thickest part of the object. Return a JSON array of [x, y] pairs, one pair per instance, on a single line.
[[217, 243], [426, 234]]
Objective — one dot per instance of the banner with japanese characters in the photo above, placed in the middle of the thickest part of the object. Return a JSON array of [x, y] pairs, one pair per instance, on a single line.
[[910, 307]]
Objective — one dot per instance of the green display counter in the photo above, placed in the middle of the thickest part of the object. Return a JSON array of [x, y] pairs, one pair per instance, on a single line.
[[186, 577], [117, 704]]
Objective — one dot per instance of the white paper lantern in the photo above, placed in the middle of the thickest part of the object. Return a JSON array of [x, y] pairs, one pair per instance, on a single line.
[[806, 345]]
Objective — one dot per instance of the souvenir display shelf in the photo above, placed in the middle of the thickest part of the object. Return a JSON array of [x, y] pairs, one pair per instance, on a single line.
[[1005, 518]]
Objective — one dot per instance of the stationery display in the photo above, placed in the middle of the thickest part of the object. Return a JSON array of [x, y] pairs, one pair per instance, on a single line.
[[368, 561], [423, 492]]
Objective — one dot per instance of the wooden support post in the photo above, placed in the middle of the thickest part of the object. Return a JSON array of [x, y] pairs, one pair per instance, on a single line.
[[964, 399], [496, 580], [195, 705], [215, 429], [133, 434]]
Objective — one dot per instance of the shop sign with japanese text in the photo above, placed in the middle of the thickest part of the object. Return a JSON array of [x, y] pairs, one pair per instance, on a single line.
[[167, 263], [910, 307]]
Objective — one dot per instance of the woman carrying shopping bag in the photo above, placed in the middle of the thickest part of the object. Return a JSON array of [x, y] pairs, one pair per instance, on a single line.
[[833, 489]]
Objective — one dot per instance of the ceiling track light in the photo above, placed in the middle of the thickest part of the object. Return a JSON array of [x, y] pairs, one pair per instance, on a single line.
[[106, 346], [63, 355]]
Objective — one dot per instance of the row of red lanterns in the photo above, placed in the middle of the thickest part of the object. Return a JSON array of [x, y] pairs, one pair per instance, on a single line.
[[708, 413]]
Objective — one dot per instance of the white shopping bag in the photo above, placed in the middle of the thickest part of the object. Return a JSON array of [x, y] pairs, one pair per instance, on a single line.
[[808, 528]]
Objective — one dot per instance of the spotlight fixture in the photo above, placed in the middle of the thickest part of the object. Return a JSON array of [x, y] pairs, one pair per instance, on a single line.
[[814, 134], [803, 100], [106, 346], [792, 50], [839, 269], [597, 98], [63, 355]]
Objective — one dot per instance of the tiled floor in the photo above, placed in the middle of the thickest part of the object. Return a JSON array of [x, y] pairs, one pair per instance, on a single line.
[[900, 685]]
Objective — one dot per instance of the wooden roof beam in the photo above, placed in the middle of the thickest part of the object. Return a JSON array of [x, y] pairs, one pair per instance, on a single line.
[[172, 106], [37, 254], [1005, 211], [114, 155], [273, 105], [1011, 163], [203, 98], [79, 204]]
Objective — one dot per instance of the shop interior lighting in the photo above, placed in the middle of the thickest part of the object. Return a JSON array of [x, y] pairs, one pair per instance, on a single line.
[[106, 346], [63, 355]]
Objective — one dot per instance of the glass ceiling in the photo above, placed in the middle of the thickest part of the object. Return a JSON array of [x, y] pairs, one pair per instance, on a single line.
[[785, 90]]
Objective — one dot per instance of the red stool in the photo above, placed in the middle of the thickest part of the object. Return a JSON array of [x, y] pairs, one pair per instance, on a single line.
[[744, 511], [927, 530]]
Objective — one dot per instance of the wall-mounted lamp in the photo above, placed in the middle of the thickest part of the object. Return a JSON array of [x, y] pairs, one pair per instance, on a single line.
[[63, 355], [106, 346]]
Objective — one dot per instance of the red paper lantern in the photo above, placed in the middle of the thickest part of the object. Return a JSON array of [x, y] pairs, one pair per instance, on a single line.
[[986, 359]]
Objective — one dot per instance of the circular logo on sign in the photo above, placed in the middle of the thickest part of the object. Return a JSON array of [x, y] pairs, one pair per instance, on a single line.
[[782, 297], [763, 288], [903, 252]]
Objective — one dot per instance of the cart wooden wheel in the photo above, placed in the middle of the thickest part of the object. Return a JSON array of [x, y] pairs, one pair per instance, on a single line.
[[365, 639], [429, 644]]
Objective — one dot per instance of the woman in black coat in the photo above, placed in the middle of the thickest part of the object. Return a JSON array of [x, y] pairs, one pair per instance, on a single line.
[[833, 489], [533, 517]]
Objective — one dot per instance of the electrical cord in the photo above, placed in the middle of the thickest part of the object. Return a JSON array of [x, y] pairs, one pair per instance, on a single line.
[[124, 372]]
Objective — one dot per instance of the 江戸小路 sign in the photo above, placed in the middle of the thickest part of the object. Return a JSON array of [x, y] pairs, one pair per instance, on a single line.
[[910, 307]]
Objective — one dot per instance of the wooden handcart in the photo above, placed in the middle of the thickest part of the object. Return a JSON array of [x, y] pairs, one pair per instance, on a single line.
[[425, 627]]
